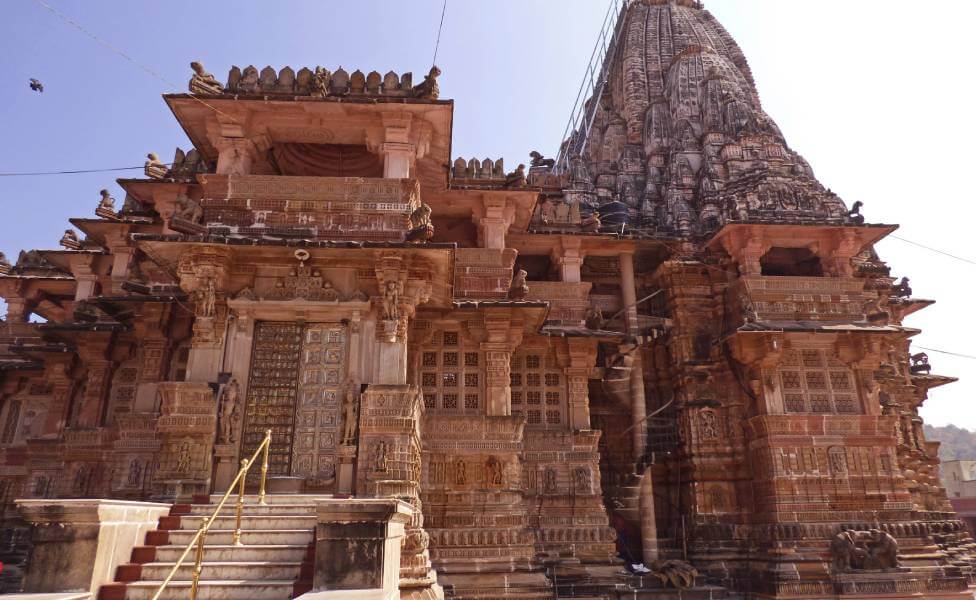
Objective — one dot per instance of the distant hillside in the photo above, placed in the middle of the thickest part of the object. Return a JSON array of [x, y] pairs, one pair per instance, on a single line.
[[957, 443]]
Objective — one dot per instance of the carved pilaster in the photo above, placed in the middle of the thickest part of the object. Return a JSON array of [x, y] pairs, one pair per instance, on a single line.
[[186, 425], [582, 359], [389, 465]]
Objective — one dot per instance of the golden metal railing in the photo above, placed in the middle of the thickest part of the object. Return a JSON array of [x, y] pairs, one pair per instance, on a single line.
[[201, 536]]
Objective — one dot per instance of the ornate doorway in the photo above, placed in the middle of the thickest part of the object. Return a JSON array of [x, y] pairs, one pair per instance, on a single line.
[[296, 382]]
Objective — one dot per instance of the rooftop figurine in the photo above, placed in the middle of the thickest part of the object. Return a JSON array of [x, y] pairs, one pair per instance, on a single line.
[[428, 88], [202, 82], [155, 168]]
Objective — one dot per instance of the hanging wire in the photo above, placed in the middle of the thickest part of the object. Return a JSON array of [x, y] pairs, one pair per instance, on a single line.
[[76, 172], [440, 28], [124, 55], [936, 250]]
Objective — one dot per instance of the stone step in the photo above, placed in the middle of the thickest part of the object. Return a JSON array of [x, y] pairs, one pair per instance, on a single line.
[[274, 498], [244, 553], [224, 571], [287, 521], [275, 537], [213, 590], [253, 508]]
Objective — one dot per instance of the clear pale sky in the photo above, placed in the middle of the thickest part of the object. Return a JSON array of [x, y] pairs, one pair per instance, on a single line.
[[874, 93]]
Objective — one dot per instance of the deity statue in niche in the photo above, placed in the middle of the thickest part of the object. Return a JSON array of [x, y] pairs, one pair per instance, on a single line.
[[549, 481], [230, 396], [350, 417], [135, 472], [183, 459], [493, 471], [391, 299]]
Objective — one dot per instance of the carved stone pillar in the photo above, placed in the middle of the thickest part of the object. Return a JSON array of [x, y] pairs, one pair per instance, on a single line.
[[389, 466], [638, 403], [56, 374], [569, 260], [397, 302], [187, 422], [503, 335], [236, 155], [358, 549], [398, 159], [203, 274], [582, 358], [151, 329], [97, 380], [648, 522], [86, 281], [17, 311], [493, 222]]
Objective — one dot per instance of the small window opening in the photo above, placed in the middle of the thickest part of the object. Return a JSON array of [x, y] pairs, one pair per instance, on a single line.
[[791, 262]]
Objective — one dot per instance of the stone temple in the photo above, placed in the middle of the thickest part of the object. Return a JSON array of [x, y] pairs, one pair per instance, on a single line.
[[670, 346]]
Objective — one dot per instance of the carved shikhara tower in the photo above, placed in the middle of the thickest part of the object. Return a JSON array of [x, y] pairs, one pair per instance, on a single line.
[[769, 404]]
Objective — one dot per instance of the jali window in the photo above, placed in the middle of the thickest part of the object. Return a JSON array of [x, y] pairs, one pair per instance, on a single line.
[[451, 374], [538, 388], [815, 382]]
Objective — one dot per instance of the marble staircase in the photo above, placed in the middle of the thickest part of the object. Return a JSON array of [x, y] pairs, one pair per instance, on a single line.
[[274, 560]]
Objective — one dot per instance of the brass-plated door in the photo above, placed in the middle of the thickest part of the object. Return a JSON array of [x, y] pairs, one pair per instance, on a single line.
[[295, 387]]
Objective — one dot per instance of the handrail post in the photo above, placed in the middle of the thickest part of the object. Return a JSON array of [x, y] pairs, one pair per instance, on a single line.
[[198, 566], [245, 464], [264, 468]]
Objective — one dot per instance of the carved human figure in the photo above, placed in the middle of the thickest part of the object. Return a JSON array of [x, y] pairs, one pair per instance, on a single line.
[[135, 472], [549, 481], [493, 470], [230, 397], [379, 457], [81, 479], [582, 481], [320, 82], [206, 298], [391, 301], [350, 417], [519, 288], [202, 82], [428, 88], [579, 176], [154, 168], [183, 458], [709, 425], [421, 227], [460, 474]]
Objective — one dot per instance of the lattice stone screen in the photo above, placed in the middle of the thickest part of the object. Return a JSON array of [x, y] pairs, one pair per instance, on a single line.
[[538, 388], [815, 382], [451, 375]]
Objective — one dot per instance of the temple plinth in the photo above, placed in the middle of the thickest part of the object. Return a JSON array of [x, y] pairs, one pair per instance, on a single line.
[[670, 345]]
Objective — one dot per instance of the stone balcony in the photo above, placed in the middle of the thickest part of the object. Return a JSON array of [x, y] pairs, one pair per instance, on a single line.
[[334, 208], [568, 301], [826, 299]]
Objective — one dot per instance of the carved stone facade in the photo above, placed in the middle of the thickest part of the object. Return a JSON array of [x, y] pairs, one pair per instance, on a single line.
[[671, 346]]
